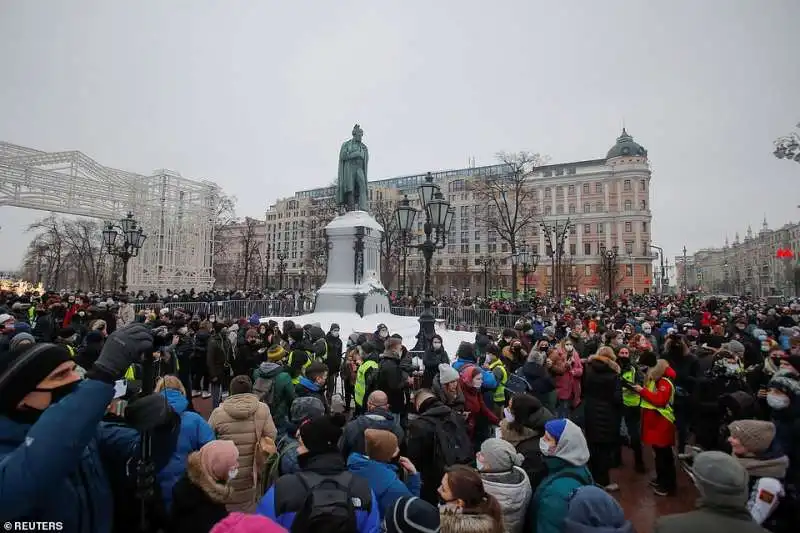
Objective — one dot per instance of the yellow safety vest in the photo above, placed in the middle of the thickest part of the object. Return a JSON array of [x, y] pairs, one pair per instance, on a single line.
[[629, 397], [130, 374], [361, 380], [296, 379], [71, 350], [499, 395], [666, 411]]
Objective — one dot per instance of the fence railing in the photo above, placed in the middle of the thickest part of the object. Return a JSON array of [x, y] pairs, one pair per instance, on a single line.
[[459, 318]]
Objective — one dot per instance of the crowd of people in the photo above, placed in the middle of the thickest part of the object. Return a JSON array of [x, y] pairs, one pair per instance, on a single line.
[[314, 429]]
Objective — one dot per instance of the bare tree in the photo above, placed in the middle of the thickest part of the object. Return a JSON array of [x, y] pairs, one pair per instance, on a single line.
[[383, 211], [224, 215], [316, 252], [48, 245], [506, 203], [571, 274], [248, 248]]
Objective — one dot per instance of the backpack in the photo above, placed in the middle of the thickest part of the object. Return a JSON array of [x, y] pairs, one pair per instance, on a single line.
[[264, 388], [517, 384], [329, 505], [452, 445]]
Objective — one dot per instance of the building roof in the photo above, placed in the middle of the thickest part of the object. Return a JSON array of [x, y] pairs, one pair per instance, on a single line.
[[626, 146]]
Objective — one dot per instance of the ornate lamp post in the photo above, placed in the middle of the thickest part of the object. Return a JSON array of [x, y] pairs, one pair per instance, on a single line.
[[608, 265], [555, 235], [282, 256], [438, 221], [528, 262], [486, 261], [132, 240]]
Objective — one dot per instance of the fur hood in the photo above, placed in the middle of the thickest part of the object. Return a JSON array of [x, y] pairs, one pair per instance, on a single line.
[[606, 361], [459, 522], [218, 492], [662, 369]]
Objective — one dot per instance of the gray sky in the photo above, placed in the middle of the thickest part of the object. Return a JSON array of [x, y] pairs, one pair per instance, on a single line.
[[258, 96]]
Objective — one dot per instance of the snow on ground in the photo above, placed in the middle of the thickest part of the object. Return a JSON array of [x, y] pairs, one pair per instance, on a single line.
[[407, 327]]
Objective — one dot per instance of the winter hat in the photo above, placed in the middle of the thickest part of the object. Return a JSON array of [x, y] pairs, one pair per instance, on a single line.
[[465, 351], [410, 514], [437, 338], [65, 333], [334, 326], [20, 339], [254, 319], [380, 444], [5, 317], [246, 523], [755, 435], [786, 382], [320, 435], [499, 455], [447, 374], [793, 360], [735, 347], [219, 457], [276, 353], [296, 334], [469, 373], [509, 333], [316, 333], [306, 408], [556, 427], [721, 479], [21, 371], [593, 509]]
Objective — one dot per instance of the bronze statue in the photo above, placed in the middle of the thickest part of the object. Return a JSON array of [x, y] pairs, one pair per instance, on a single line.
[[351, 187]]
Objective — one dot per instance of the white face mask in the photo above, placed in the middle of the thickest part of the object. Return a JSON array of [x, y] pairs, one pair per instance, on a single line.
[[777, 401], [568, 347], [479, 465], [383, 333], [335, 333], [232, 473], [545, 448], [508, 415], [437, 345]]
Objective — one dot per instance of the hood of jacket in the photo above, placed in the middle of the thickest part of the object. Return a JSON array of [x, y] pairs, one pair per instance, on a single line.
[[591, 511], [307, 383], [454, 521], [512, 489], [268, 369], [572, 447], [765, 467], [241, 406], [176, 400], [380, 475], [376, 419], [218, 492]]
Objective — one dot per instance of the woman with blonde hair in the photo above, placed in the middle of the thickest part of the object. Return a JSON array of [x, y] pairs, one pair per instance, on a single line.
[[195, 432]]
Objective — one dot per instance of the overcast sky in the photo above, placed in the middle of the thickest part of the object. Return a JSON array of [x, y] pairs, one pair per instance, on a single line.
[[258, 96]]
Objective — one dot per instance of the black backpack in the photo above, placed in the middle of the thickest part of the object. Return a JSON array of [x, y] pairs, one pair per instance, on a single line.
[[264, 388], [329, 506], [452, 445]]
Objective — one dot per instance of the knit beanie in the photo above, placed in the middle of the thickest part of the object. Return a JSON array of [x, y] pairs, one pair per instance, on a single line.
[[21, 339], [334, 327], [556, 427], [735, 347], [720, 479], [276, 353], [320, 435], [793, 360], [447, 374], [380, 444], [246, 523], [21, 371], [306, 408], [410, 514], [755, 435], [219, 457], [786, 382], [499, 455]]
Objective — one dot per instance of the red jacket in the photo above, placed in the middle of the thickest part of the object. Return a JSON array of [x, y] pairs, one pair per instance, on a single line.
[[657, 430], [474, 406]]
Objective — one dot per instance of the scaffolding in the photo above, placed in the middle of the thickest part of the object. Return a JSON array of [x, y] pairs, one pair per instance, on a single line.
[[176, 213]]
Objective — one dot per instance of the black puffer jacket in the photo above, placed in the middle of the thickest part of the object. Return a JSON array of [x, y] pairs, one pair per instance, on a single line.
[[334, 359], [526, 441], [431, 361], [602, 400], [421, 441]]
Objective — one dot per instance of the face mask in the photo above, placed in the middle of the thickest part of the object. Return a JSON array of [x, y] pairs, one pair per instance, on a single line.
[[262, 331], [568, 347], [543, 349], [183, 331], [508, 341], [764, 347], [335, 333], [777, 401], [490, 358], [232, 473], [478, 464], [508, 415], [477, 382], [81, 314], [437, 345], [252, 341], [545, 448]]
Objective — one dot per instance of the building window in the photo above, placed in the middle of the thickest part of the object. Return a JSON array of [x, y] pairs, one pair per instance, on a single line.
[[644, 205], [573, 249], [587, 248], [503, 262], [477, 235], [477, 248], [585, 188], [535, 249], [571, 189], [559, 191], [629, 270], [464, 236], [628, 205], [598, 187], [492, 248], [628, 227], [465, 248], [629, 248], [601, 228], [504, 247], [548, 209], [626, 185], [571, 209], [572, 170], [587, 270], [587, 208], [451, 249], [598, 207], [547, 192], [587, 229], [477, 261], [547, 173], [643, 185], [559, 208], [644, 227]]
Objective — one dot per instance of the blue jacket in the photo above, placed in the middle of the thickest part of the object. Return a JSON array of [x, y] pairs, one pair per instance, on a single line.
[[287, 496], [58, 469], [195, 432], [550, 502], [489, 381], [383, 481]]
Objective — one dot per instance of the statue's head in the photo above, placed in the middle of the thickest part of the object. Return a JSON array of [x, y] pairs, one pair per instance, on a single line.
[[357, 133]]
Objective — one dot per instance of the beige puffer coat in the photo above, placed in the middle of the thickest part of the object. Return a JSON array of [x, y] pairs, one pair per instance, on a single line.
[[238, 419]]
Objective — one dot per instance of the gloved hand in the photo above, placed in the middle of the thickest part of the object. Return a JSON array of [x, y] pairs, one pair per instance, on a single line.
[[149, 413], [123, 348]]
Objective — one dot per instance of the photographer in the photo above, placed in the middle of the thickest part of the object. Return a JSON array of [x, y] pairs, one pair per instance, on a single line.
[[57, 458]]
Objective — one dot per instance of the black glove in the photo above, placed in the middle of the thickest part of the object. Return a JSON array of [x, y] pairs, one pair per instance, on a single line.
[[121, 349], [150, 412]]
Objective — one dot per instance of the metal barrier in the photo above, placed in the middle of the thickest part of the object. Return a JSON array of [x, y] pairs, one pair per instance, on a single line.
[[463, 318]]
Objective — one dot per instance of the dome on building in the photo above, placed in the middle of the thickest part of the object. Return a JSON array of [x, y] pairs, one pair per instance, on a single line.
[[626, 146]]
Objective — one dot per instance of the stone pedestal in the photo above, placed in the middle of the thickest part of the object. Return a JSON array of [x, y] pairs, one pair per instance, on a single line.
[[353, 283]]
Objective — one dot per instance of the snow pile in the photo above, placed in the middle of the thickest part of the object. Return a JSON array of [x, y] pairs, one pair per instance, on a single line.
[[406, 327]]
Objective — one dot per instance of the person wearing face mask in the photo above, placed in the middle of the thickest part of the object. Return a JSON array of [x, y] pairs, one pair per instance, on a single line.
[[535, 372], [630, 375], [199, 496], [333, 359], [392, 379], [434, 356], [783, 398], [500, 468], [567, 369], [246, 359], [446, 387], [478, 416], [51, 434], [380, 336], [465, 505], [566, 454]]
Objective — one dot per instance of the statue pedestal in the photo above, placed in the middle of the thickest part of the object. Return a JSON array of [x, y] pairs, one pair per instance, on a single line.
[[353, 283]]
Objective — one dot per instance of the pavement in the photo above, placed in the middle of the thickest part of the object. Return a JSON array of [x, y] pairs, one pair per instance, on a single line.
[[636, 496]]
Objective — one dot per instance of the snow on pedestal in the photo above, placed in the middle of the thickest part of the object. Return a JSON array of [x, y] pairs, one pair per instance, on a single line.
[[353, 283]]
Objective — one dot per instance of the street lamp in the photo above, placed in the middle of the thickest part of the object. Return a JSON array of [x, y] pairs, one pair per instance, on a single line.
[[486, 261], [528, 261], [132, 240], [664, 280], [281, 256], [608, 265], [439, 217], [555, 235]]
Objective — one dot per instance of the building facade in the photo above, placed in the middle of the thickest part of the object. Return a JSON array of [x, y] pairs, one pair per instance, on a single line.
[[605, 200], [763, 264], [240, 255]]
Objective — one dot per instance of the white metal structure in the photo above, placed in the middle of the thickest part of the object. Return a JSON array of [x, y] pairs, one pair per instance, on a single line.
[[177, 214]]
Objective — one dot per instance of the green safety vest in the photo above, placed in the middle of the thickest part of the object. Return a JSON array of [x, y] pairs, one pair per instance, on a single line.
[[296, 379], [629, 397], [71, 350], [666, 411], [499, 395], [130, 374], [361, 380]]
